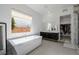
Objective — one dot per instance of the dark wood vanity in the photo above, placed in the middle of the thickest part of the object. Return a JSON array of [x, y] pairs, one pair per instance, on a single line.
[[50, 35]]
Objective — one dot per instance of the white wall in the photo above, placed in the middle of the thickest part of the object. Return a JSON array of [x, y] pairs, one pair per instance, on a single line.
[[65, 19], [5, 16], [50, 18]]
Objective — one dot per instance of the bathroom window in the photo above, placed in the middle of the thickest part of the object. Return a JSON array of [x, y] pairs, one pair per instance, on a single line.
[[20, 22]]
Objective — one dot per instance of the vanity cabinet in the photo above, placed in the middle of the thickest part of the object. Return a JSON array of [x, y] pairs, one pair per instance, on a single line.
[[50, 35]]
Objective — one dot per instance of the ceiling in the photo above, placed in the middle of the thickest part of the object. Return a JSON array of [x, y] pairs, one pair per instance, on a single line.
[[44, 8]]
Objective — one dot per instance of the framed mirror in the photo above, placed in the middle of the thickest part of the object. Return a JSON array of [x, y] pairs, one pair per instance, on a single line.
[[3, 36]]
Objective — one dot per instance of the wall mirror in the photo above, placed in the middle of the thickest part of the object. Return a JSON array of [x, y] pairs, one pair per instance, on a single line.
[[3, 36]]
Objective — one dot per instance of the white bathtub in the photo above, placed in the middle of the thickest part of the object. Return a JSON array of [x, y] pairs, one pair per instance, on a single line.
[[26, 44]]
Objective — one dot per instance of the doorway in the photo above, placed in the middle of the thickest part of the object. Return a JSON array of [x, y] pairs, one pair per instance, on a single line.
[[65, 29]]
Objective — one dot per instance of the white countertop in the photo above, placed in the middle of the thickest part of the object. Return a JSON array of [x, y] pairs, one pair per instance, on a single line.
[[51, 31]]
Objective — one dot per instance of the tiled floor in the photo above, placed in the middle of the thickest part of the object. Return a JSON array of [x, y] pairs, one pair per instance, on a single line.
[[53, 48]]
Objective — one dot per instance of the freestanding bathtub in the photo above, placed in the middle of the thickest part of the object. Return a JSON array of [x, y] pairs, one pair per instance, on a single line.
[[24, 45]]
